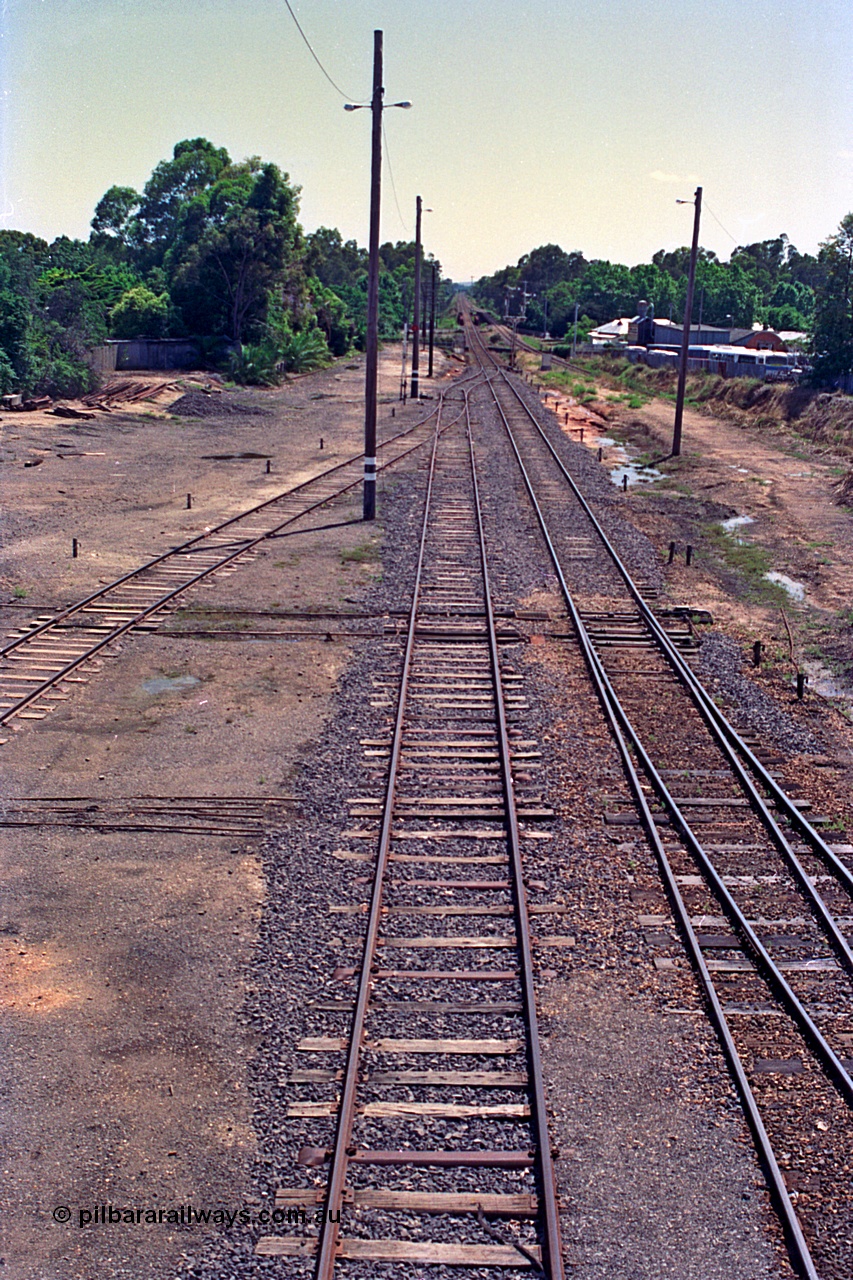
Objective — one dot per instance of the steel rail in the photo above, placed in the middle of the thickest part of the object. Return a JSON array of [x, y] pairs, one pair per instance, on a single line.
[[200, 539], [329, 1231], [797, 1245], [728, 740], [772, 974], [724, 734], [34, 694], [537, 351], [710, 711], [548, 1183]]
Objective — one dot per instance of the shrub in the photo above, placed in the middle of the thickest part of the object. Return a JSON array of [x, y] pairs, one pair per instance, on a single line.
[[255, 365], [304, 350], [140, 313]]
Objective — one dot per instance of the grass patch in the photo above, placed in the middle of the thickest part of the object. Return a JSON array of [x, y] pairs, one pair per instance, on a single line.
[[749, 562], [20, 593], [365, 553], [567, 380]]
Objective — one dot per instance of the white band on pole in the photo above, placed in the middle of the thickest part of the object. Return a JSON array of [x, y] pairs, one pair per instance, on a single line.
[[369, 468]]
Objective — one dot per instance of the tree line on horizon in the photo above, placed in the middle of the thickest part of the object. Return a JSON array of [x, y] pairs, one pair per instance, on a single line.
[[769, 282], [210, 249]]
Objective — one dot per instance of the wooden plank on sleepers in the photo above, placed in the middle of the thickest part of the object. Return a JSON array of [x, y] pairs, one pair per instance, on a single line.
[[425, 1252], [453, 975], [424, 1110], [509, 1206], [487, 942], [387, 1045], [453, 1079]]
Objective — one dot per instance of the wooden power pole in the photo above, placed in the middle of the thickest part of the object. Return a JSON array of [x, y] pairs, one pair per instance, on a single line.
[[371, 376], [432, 320], [688, 316], [416, 322]]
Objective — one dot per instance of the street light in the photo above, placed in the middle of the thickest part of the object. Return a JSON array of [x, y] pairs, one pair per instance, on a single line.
[[372, 343], [688, 316], [363, 106]]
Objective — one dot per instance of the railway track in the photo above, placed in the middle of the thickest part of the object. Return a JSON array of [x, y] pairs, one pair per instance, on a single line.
[[520, 343], [42, 662], [245, 816], [762, 902], [426, 1139]]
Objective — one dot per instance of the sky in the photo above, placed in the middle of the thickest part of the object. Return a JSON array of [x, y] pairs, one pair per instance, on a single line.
[[578, 123]]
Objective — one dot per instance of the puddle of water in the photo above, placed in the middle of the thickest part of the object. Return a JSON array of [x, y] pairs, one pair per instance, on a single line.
[[170, 684], [795, 590], [230, 457], [826, 682], [635, 474], [735, 522]]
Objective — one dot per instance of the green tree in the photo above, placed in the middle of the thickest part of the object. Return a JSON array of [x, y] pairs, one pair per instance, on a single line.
[[140, 313], [17, 348], [333, 261], [676, 262], [606, 291], [113, 223], [50, 314], [763, 262], [832, 341], [233, 241], [195, 166], [547, 266], [331, 317]]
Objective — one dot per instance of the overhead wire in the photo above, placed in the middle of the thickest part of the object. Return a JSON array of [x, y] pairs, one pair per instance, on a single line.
[[308, 46], [351, 98], [719, 224], [393, 183]]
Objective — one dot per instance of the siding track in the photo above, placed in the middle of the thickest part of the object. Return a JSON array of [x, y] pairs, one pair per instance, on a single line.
[[41, 663]]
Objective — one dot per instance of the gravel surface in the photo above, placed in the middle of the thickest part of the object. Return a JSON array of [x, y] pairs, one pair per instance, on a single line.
[[197, 404], [649, 1130], [655, 1169], [719, 665], [294, 965]]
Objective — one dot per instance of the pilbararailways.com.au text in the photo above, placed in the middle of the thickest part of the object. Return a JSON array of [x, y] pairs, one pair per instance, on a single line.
[[187, 1215]]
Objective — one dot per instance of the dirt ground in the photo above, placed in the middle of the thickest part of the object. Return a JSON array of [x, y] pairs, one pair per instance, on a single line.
[[118, 483], [785, 485], [786, 489], [124, 953]]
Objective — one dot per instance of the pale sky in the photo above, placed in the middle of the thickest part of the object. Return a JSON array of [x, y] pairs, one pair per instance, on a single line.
[[576, 122]]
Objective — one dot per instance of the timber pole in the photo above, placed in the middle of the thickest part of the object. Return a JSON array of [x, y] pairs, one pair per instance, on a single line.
[[372, 344], [688, 316], [432, 320], [416, 323]]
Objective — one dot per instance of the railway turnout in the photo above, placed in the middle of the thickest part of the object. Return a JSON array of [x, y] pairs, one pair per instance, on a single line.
[[418, 1096], [40, 663]]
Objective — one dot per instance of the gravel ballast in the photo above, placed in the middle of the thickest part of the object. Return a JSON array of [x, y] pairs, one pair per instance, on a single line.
[[656, 1171]]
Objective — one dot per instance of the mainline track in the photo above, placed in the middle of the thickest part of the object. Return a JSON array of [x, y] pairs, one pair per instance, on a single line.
[[42, 662], [440, 1009], [777, 973]]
